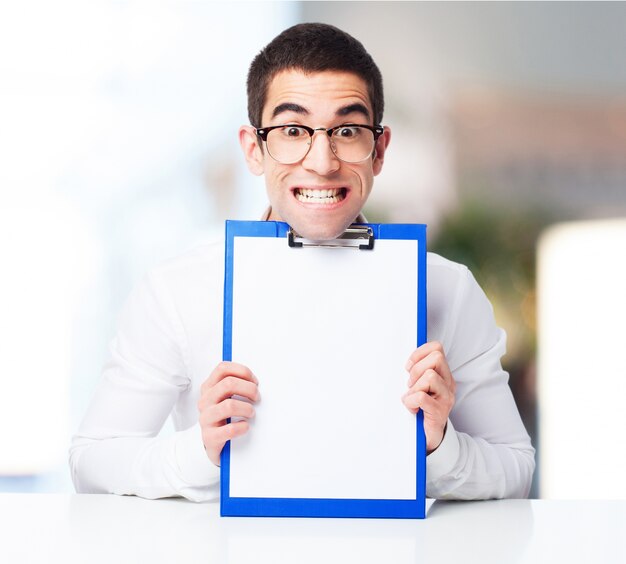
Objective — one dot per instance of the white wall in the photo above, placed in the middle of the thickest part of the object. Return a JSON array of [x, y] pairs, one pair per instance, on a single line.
[[118, 148], [582, 360]]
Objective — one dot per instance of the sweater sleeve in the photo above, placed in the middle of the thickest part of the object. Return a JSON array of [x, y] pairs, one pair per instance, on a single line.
[[486, 451], [117, 448]]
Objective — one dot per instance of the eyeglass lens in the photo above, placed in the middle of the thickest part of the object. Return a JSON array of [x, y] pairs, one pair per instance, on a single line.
[[290, 144]]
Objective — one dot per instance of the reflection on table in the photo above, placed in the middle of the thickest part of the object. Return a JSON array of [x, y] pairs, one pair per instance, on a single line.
[[107, 528]]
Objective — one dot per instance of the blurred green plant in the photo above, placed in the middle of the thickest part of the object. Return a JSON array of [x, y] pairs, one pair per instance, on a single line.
[[498, 244], [497, 241]]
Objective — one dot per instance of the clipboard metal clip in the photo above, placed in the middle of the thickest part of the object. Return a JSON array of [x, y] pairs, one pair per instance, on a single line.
[[351, 238]]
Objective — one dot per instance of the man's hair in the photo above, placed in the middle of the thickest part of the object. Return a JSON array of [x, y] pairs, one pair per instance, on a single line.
[[312, 47]]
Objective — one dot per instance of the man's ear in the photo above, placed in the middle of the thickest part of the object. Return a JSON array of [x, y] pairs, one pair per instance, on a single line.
[[379, 151], [252, 151]]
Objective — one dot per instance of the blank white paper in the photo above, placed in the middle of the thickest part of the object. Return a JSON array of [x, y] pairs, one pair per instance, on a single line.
[[327, 332]]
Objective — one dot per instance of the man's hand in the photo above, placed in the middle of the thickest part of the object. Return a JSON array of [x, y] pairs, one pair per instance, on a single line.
[[217, 404], [431, 389]]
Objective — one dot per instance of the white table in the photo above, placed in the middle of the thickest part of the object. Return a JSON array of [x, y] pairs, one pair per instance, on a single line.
[[112, 529]]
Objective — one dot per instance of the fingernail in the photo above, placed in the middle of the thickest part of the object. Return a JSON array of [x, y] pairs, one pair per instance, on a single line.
[[408, 365]]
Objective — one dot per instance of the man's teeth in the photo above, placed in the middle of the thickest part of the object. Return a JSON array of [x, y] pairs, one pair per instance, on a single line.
[[319, 196]]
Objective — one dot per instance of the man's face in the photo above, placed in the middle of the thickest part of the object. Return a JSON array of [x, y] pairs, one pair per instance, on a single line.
[[325, 99]]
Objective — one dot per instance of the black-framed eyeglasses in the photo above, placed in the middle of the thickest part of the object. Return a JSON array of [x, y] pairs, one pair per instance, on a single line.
[[350, 142]]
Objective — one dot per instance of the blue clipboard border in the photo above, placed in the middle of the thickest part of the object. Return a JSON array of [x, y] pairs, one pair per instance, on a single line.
[[311, 507]]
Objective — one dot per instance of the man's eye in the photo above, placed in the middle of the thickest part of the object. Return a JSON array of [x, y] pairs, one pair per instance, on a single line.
[[294, 132], [347, 132]]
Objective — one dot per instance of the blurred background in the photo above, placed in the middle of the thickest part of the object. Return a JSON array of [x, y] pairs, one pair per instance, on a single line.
[[118, 149]]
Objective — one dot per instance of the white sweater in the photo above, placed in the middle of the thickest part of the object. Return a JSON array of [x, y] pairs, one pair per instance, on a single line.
[[169, 340]]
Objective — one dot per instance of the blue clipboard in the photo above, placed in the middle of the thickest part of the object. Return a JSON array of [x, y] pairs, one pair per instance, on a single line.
[[289, 506]]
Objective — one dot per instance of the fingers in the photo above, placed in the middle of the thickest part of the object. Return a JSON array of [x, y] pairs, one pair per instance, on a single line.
[[432, 389], [422, 352], [224, 369], [430, 382], [226, 380], [215, 438], [429, 356], [226, 394], [435, 416], [431, 394], [227, 387], [421, 400], [219, 413], [430, 374], [222, 433]]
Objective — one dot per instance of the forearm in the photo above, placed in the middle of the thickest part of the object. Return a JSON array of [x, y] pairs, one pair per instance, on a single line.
[[465, 467], [117, 448], [486, 452], [157, 467]]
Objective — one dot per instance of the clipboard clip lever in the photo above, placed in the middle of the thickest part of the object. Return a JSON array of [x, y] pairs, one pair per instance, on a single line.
[[360, 237]]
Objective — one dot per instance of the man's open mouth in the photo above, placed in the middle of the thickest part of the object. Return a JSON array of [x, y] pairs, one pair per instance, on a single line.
[[323, 196]]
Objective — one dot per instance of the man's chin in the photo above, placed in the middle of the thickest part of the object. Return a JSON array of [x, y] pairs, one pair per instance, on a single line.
[[320, 232]]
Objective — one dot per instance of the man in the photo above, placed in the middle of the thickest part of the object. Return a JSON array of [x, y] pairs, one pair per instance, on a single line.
[[315, 102]]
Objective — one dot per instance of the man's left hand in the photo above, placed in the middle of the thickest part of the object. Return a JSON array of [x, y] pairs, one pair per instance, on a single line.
[[431, 389]]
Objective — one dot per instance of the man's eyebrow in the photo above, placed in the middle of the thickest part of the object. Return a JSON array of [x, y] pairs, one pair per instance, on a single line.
[[289, 107], [352, 108]]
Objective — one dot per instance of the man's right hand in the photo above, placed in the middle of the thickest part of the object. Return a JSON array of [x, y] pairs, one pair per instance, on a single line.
[[216, 405]]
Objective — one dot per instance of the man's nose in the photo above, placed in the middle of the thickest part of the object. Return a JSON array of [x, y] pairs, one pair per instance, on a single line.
[[321, 159]]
